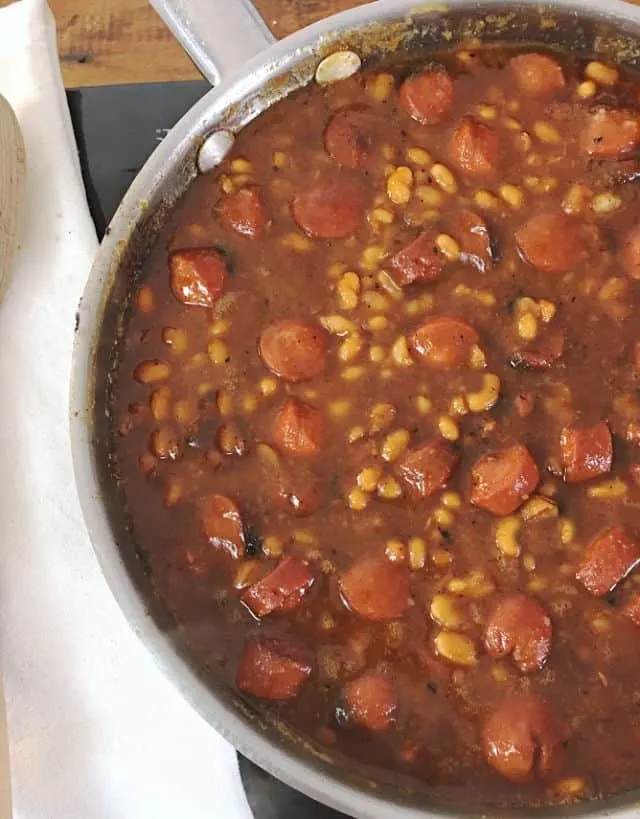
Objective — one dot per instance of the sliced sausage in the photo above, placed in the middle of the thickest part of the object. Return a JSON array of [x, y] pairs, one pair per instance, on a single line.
[[503, 480], [629, 254], [473, 237], [444, 342], [547, 352], [244, 212], [331, 209], [586, 452], [293, 350], [427, 96], [297, 491], [607, 560], [519, 625], [370, 701], [420, 260], [537, 74], [552, 242], [609, 133], [347, 138], [475, 148], [376, 589], [298, 428], [197, 277], [427, 469], [222, 525], [272, 669], [632, 610], [522, 738], [281, 590]]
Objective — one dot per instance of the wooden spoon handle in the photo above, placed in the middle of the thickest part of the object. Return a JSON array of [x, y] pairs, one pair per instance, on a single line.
[[12, 184]]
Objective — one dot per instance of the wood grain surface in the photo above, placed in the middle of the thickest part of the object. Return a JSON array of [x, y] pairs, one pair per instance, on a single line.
[[106, 42]]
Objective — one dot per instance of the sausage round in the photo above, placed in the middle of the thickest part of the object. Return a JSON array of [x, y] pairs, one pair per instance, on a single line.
[[444, 342], [537, 74], [519, 625], [293, 350], [420, 260], [281, 590], [298, 428], [426, 470], [272, 669], [370, 701], [472, 234], [427, 96], [552, 242], [586, 452], [607, 560], [197, 276], [522, 737], [244, 212], [222, 525], [347, 138], [503, 480], [330, 210], [609, 133], [475, 148], [375, 589]]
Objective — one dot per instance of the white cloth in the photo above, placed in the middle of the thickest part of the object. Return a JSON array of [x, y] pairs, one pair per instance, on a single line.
[[95, 730]]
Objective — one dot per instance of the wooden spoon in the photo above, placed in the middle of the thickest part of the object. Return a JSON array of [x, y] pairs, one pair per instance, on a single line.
[[12, 185]]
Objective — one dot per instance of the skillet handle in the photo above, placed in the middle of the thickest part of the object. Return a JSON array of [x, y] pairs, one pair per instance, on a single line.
[[219, 36]]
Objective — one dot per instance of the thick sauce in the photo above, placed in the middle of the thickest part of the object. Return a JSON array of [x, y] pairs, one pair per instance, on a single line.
[[378, 423]]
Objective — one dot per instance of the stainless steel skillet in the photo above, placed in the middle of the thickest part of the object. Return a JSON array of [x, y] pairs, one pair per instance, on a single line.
[[231, 45]]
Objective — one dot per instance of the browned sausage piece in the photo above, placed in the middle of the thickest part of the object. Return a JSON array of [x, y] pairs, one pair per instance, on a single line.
[[586, 452], [330, 210], [347, 138], [244, 212], [376, 589], [418, 261], [607, 560], [222, 525], [546, 353], [629, 254], [475, 148], [522, 738], [552, 242], [197, 276], [503, 480], [473, 237], [537, 74], [609, 133], [370, 701], [298, 428], [272, 669], [428, 96], [281, 590], [293, 350], [427, 469], [632, 610], [519, 625], [444, 342]]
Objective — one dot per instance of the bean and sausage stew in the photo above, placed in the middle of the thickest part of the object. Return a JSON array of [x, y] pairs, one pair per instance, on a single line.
[[378, 422]]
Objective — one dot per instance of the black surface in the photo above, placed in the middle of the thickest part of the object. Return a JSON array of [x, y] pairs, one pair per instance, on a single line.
[[116, 130]]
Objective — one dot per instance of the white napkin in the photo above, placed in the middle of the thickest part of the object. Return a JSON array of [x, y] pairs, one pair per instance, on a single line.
[[95, 730]]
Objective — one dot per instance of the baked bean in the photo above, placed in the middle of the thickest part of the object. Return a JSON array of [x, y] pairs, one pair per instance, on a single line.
[[222, 525], [522, 738], [370, 701], [519, 625], [609, 133], [197, 276], [293, 350], [503, 480], [347, 138], [244, 212], [418, 261], [375, 589], [298, 428], [475, 148], [586, 452], [537, 74], [282, 590], [607, 560], [427, 96], [629, 254], [551, 241], [444, 342], [331, 209], [427, 469], [473, 236], [272, 668]]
